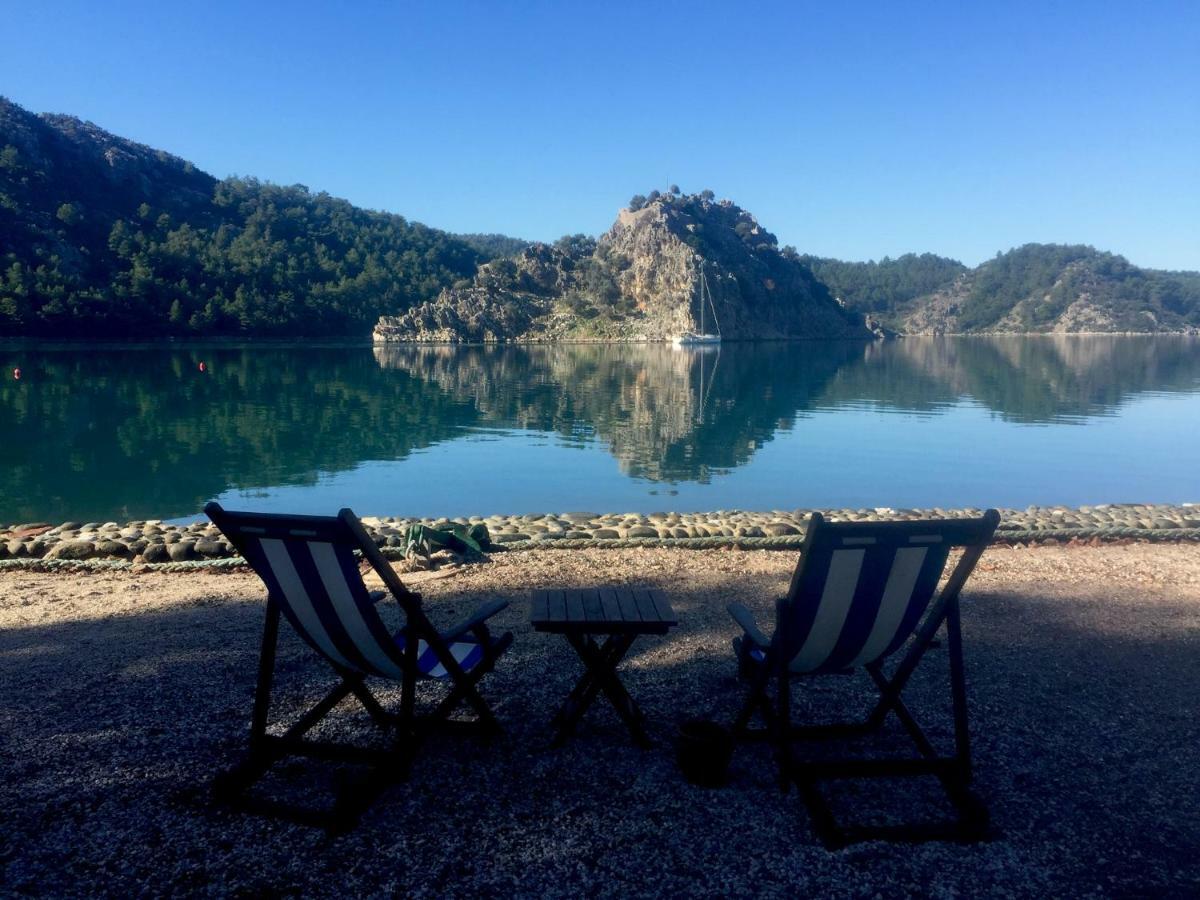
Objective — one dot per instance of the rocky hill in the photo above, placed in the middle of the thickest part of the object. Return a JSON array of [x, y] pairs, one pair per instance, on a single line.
[[1058, 289], [641, 281]]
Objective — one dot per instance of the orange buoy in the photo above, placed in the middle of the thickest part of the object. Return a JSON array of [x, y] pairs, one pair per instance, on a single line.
[[17, 374], [203, 367]]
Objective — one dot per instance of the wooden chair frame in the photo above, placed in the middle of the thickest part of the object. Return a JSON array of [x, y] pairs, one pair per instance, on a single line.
[[954, 771], [387, 765]]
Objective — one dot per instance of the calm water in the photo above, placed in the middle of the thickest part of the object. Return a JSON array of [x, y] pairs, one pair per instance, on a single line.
[[120, 433]]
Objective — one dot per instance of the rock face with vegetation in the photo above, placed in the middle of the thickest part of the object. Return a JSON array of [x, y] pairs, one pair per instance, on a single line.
[[641, 281], [1035, 288]]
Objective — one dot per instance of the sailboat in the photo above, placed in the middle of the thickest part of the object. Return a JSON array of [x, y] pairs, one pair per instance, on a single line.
[[691, 338]]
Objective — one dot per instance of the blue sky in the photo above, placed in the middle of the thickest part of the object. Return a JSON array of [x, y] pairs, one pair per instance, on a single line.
[[850, 130]]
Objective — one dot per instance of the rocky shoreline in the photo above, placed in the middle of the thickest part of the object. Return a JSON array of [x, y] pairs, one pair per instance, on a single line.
[[155, 542]]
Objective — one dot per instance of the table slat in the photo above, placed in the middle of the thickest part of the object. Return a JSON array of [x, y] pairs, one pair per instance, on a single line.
[[645, 605], [592, 607], [575, 606], [541, 606], [663, 607], [558, 605], [612, 606], [629, 607]]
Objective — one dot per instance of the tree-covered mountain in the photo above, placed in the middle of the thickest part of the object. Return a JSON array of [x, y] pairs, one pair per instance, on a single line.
[[881, 287], [101, 236], [1058, 288], [1034, 288], [493, 246]]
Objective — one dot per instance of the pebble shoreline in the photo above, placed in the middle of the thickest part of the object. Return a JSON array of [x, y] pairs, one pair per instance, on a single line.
[[153, 541]]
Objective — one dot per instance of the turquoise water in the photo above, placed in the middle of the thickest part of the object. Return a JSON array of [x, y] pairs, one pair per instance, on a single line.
[[100, 433]]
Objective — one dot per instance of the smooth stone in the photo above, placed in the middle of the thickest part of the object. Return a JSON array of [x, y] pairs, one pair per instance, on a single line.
[[16, 549], [605, 534], [778, 529], [210, 548], [580, 516], [509, 538], [155, 553], [112, 548], [181, 551], [642, 531], [73, 550]]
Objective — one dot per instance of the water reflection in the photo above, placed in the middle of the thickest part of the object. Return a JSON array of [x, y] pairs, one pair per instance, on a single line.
[[117, 434]]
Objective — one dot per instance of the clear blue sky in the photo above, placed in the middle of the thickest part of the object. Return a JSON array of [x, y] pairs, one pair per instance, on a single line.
[[850, 130]]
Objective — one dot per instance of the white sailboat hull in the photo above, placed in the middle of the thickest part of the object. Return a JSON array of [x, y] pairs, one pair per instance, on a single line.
[[688, 338]]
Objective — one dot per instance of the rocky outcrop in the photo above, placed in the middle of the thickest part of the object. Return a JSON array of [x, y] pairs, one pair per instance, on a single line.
[[641, 281]]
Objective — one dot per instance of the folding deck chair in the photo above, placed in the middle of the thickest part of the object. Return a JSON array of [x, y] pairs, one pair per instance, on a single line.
[[312, 575], [860, 592]]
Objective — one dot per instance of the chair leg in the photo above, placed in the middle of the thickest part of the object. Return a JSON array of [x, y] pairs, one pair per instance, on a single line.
[[756, 699], [781, 723], [958, 689]]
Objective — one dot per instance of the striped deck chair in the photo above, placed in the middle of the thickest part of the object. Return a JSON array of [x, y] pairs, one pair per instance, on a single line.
[[862, 592], [312, 575]]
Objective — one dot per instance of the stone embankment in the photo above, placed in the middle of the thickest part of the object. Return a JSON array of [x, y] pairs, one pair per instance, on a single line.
[[156, 542]]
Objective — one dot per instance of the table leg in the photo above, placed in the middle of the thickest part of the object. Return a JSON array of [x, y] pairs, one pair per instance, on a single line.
[[600, 663]]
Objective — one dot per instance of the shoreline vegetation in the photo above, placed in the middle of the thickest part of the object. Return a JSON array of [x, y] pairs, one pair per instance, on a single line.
[[154, 542], [102, 237]]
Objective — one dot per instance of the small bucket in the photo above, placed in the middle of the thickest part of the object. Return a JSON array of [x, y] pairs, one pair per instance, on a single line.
[[703, 749]]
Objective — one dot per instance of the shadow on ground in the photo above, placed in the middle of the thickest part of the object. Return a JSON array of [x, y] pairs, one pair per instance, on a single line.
[[1086, 748]]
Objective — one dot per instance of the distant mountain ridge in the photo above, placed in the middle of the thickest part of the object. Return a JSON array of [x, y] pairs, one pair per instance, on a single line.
[[101, 236], [1036, 288]]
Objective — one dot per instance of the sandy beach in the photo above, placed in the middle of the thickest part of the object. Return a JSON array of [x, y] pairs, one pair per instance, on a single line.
[[124, 693]]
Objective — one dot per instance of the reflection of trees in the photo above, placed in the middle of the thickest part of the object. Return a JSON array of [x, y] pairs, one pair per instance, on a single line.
[[126, 434], [1046, 378], [144, 433], [665, 414]]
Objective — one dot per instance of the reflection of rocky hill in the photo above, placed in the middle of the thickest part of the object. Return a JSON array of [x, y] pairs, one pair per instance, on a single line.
[[665, 414], [119, 434], [1025, 379], [1054, 376]]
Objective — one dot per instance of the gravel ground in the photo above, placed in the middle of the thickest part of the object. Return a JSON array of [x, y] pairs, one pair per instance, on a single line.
[[124, 693]]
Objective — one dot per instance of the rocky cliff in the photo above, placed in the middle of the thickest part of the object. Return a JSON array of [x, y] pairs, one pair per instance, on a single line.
[[641, 281]]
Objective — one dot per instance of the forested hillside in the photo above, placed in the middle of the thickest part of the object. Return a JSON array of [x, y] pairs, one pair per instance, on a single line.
[[1061, 288], [883, 286], [100, 236], [104, 237]]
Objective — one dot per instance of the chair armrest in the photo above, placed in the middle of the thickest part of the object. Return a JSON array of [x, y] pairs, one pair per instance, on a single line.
[[475, 622], [745, 620]]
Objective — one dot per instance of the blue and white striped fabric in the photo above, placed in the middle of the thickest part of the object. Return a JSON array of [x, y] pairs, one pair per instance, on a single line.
[[321, 591], [467, 653], [858, 600]]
